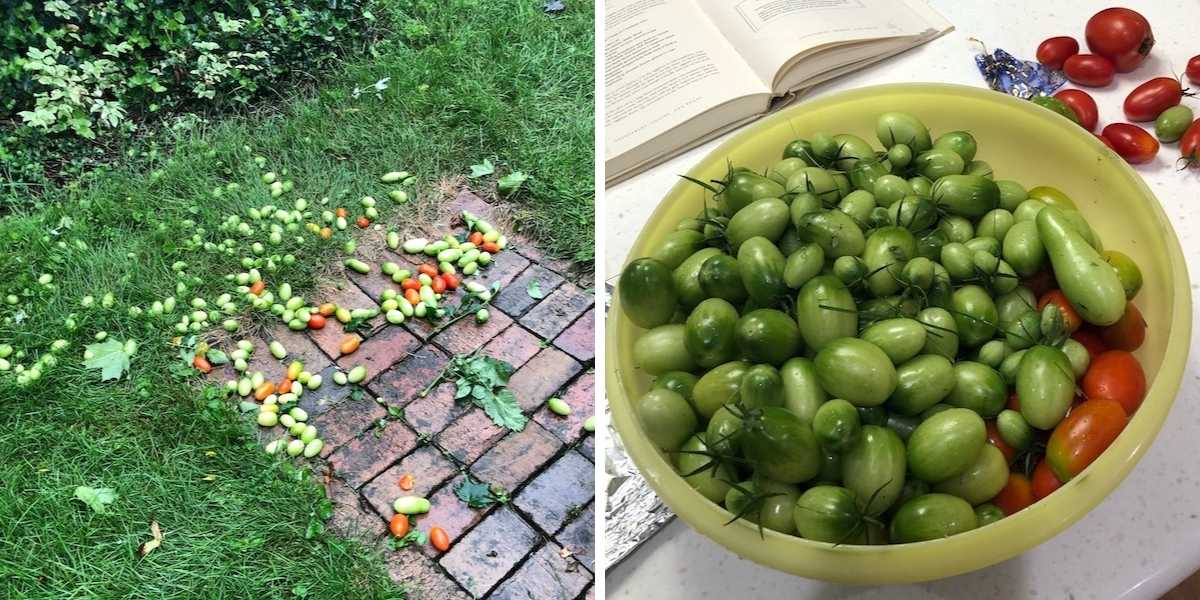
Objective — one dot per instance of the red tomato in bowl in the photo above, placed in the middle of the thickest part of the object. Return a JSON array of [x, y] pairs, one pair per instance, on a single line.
[[1015, 495], [1133, 143], [1150, 99], [1071, 318], [1044, 481], [1055, 50], [1116, 375], [1090, 340], [1091, 70], [1083, 435], [1121, 35], [1128, 333], [1083, 105]]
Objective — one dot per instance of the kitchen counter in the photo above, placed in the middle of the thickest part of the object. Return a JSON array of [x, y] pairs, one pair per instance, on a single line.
[[1145, 537]]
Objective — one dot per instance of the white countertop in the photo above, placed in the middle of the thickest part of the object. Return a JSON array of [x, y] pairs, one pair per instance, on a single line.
[[1145, 537]]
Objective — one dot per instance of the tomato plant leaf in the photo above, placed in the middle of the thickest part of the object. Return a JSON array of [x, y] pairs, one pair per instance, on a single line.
[[109, 357], [483, 380], [216, 357], [476, 494], [97, 499], [483, 169], [504, 410], [510, 183], [534, 289]]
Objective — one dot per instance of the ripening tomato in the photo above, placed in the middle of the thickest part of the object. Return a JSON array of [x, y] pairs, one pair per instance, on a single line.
[[1090, 340], [257, 287], [1040, 282], [201, 363], [1015, 495], [1128, 333], [349, 344], [438, 285], [264, 390], [1044, 481], [1083, 435], [451, 281], [1121, 35], [993, 438], [316, 321], [1014, 402], [1189, 144], [1150, 99], [398, 525], [475, 238], [1055, 50], [428, 269], [326, 233], [1193, 69], [410, 284], [285, 386], [490, 247], [439, 539], [413, 296], [1083, 105], [1133, 143], [341, 212], [1089, 70], [363, 222], [1071, 318], [1116, 375], [406, 482]]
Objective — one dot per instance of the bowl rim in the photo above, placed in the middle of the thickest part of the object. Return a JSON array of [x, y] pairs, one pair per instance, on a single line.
[[937, 558]]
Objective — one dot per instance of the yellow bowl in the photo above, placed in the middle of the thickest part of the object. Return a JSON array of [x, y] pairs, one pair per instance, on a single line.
[[1022, 142]]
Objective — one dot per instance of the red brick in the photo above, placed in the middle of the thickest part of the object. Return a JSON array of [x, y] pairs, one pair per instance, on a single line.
[[350, 519], [297, 344], [542, 376], [426, 328], [421, 577], [428, 468], [374, 283], [566, 486], [515, 299], [579, 340], [407, 378], [468, 201], [545, 575], [470, 436], [560, 308], [431, 414], [351, 297], [581, 396], [450, 513], [579, 537], [587, 447], [369, 454], [345, 421], [485, 555], [516, 457], [381, 351], [514, 346], [466, 335], [505, 267], [317, 401]]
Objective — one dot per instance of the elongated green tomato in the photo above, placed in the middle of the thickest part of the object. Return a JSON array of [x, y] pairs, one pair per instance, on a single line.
[[825, 310], [677, 247], [761, 265], [802, 391], [1045, 386], [1022, 332], [890, 189], [850, 150], [958, 260], [856, 370], [850, 270], [712, 481], [1014, 430], [782, 170], [941, 332], [827, 513], [931, 517], [761, 387], [802, 265], [945, 444], [666, 417], [834, 231], [767, 335], [874, 469], [960, 142], [780, 446], [1012, 194], [864, 173], [647, 293], [978, 387], [1010, 306], [858, 204], [720, 278], [939, 162], [773, 507], [1051, 196], [982, 480], [885, 253], [1091, 285], [1023, 248], [975, 315], [719, 386], [900, 338], [979, 167], [918, 272], [1078, 356], [970, 196], [710, 333], [914, 213], [663, 349], [686, 277], [1127, 272], [995, 224], [679, 382], [836, 425], [724, 431], [957, 229], [743, 187], [921, 383], [801, 205], [765, 218], [894, 128]]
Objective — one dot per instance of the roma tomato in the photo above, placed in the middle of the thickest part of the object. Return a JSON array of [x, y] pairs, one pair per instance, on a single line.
[[1133, 143], [410, 284], [398, 525], [1193, 69], [428, 269], [316, 321], [1126, 334], [1071, 318], [993, 438], [1106, 142], [439, 539], [1116, 375], [1083, 435], [438, 285], [475, 238], [1090, 340], [258, 287], [1150, 99], [451, 281], [1082, 104], [413, 297], [1189, 144], [201, 363], [1044, 481], [1121, 35], [363, 222], [1015, 495], [1055, 50], [1089, 70]]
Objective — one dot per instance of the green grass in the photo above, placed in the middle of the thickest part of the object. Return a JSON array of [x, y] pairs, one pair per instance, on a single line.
[[508, 83]]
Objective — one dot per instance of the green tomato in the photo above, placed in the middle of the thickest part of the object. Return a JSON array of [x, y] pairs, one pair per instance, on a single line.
[[801, 266], [1012, 194], [686, 277], [941, 332], [1014, 430], [874, 469], [900, 338], [995, 224], [856, 370], [960, 142], [975, 315], [723, 431], [743, 187], [663, 349], [802, 391], [719, 386], [710, 333], [834, 231], [766, 218], [780, 446], [894, 128], [781, 171], [938, 163], [712, 483], [1045, 385], [988, 513], [836, 425], [827, 513], [931, 517], [1127, 272], [679, 382], [647, 293], [761, 265], [762, 386], [720, 278], [970, 196], [666, 417], [1171, 123], [767, 335], [978, 387], [945, 444], [774, 509], [982, 480], [921, 383], [889, 189]]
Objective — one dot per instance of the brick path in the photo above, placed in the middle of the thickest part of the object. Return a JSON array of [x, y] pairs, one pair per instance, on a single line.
[[539, 544]]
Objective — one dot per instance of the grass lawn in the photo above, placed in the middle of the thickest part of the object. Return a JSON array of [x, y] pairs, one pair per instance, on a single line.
[[468, 80]]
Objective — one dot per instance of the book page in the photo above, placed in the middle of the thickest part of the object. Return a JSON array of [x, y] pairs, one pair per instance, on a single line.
[[771, 34], [665, 63]]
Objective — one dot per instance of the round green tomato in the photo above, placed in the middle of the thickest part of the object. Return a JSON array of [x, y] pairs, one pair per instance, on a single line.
[[720, 278], [666, 417], [982, 480], [679, 382], [856, 370], [1014, 430], [960, 142], [945, 444], [774, 510], [762, 386], [931, 517], [647, 293], [723, 431], [978, 387], [827, 513], [988, 513], [767, 335], [1012, 194]]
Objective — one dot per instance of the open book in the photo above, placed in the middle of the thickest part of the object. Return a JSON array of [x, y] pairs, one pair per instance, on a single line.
[[680, 72]]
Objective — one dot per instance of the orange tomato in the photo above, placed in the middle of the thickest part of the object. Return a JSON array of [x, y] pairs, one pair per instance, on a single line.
[[257, 287], [428, 269], [490, 247], [439, 538], [363, 222], [398, 525], [1085, 433], [1015, 495], [264, 390], [993, 438], [327, 309], [341, 212], [201, 363], [475, 238], [1128, 333], [412, 296], [326, 233], [316, 321], [438, 285], [1071, 318], [350, 344], [1090, 340], [1044, 481], [410, 284], [1116, 375], [451, 281], [285, 386], [406, 482]]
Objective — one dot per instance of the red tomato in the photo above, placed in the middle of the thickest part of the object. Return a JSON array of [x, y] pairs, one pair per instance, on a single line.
[[993, 438], [1116, 375], [406, 482], [1193, 69], [413, 297], [410, 284], [1133, 143], [1071, 319], [258, 287], [439, 539], [490, 247], [1121, 35], [1148, 100], [475, 238], [1090, 340], [428, 269], [1082, 104], [363, 223], [1014, 402], [451, 281], [438, 285], [1128, 333], [398, 525], [201, 363], [1189, 144], [1055, 50], [1106, 142], [1041, 282], [1089, 69], [1015, 495], [1083, 435], [316, 321], [1044, 481]]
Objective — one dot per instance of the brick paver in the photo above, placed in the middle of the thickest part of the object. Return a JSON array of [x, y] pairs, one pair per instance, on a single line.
[[428, 468], [349, 296], [485, 555], [297, 344], [403, 381], [364, 457], [513, 459], [542, 376], [449, 513], [516, 345], [547, 575], [421, 577], [432, 413], [515, 298], [325, 397], [504, 269], [579, 537], [350, 519], [579, 339], [558, 310], [345, 421], [470, 436], [381, 351], [466, 335], [581, 396], [558, 493]]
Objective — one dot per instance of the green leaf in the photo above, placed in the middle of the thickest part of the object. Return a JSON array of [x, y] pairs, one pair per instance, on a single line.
[[96, 498], [476, 494], [534, 289], [217, 358], [504, 410], [109, 357], [511, 183], [315, 528], [483, 169]]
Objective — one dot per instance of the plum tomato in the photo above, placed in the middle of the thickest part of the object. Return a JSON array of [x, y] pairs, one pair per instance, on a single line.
[[1090, 339], [1189, 144], [1151, 98], [1105, 141], [1083, 435], [993, 438], [1116, 375], [1193, 69], [1015, 495], [1055, 50], [1071, 318], [1083, 105], [1044, 481], [1120, 35], [1126, 334], [1133, 143], [1090, 70]]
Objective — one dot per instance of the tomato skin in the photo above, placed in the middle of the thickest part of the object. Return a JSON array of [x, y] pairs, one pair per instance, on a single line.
[[349, 344], [438, 285], [1044, 481], [993, 438], [341, 212], [1116, 375], [1106, 142], [1148, 100], [1083, 105], [451, 281], [1090, 340], [1133, 143], [439, 539], [1089, 70], [327, 309], [398, 525], [428, 269], [475, 238], [1189, 144], [363, 222], [1129, 333], [1121, 35], [410, 284], [412, 296], [490, 247], [406, 482], [1015, 495], [1083, 435], [258, 287], [200, 362], [1071, 318], [1193, 69], [1053, 51], [316, 321]]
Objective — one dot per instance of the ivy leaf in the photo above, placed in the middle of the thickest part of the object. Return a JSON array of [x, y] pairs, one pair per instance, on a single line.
[[109, 357], [483, 169], [96, 498], [510, 183], [534, 289]]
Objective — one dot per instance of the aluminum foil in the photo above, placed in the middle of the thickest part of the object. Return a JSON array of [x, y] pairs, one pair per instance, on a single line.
[[1021, 78]]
